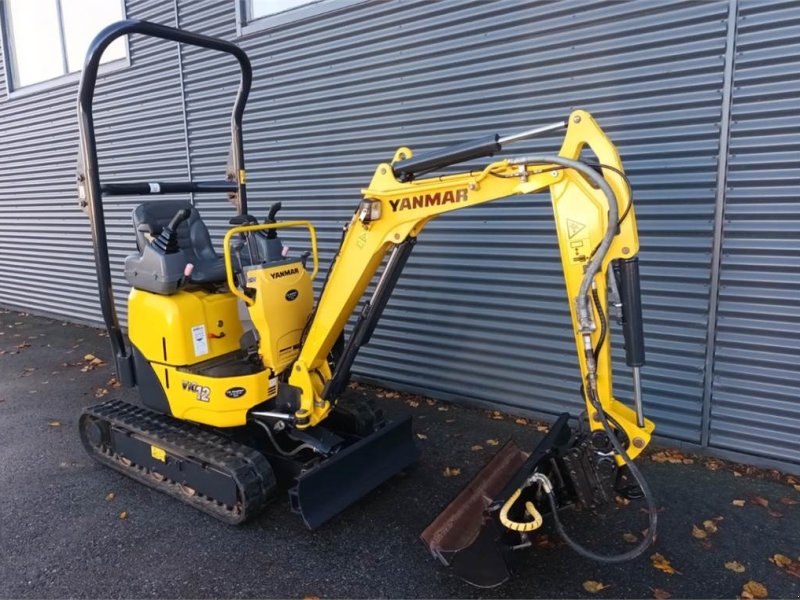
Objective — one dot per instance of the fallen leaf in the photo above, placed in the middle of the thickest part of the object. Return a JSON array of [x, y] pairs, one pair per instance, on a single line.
[[497, 415], [593, 586], [451, 472], [753, 589], [109, 496], [443, 408], [621, 501], [422, 436], [735, 566], [430, 402], [23, 345], [543, 428], [412, 403], [630, 537], [100, 392], [660, 594], [662, 564], [54, 423], [520, 421], [774, 513], [713, 464], [698, 533], [796, 488], [89, 357], [492, 442], [738, 502], [311, 598], [476, 448], [788, 501], [123, 515], [780, 560], [759, 501], [113, 383], [710, 526]]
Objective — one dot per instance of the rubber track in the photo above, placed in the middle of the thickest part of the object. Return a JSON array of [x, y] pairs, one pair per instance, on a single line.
[[250, 470]]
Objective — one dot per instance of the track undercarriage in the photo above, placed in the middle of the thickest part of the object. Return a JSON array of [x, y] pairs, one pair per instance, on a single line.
[[233, 474]]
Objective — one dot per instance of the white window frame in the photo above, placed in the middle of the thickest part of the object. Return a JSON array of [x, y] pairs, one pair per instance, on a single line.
[[59, 80], [314, 8]]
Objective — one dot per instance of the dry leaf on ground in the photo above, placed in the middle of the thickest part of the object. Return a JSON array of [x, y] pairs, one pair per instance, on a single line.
[[311, 598], [123, 515], [520, 421], [735, 566], [788, 501], [698, 533], [492, 442], [451, 472], [110, 496], [412, 403], [662, 564], [476, 448], [593, 586], [738, 502], [753, 589], [496, 415], [710, 526], [54, 423], [660, 594], [759, 501], [630, 537], [781, 560], [422, 436]]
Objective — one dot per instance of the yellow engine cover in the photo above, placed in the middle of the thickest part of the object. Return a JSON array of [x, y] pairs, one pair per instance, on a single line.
[[177, 335], [183, 328], [284, 298]]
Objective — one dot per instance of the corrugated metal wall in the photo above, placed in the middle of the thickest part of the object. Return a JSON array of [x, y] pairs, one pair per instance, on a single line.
[[480, 313], [47, 262], [755, 406]]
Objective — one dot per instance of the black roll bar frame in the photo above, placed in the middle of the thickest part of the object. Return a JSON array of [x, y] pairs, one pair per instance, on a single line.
[[90, 175]]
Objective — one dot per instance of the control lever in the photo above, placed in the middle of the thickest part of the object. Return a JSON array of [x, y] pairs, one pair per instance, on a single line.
[[167, 240]]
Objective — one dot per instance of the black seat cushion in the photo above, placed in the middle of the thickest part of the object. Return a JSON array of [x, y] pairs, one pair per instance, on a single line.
[[192, 236]]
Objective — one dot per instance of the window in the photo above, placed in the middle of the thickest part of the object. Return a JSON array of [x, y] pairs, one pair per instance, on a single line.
[[46, 39], [257, 15], [262, 8]]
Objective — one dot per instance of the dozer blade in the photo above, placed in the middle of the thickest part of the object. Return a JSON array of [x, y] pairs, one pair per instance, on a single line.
[[340, 480], [466, 536]]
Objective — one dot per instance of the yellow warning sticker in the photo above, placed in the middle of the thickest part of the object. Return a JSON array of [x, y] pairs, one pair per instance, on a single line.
[[158, 453], [242, 176]]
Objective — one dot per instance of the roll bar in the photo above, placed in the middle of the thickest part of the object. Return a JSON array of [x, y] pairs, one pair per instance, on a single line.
[[92, 191]]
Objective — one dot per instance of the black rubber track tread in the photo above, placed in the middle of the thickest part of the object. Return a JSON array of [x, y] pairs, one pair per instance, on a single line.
[[255, 480]]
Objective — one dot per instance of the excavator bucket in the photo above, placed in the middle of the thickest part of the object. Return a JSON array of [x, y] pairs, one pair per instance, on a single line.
[[324, 491], [466, 536]]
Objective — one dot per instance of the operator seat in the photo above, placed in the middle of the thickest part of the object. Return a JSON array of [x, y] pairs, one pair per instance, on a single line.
[[149, 271]]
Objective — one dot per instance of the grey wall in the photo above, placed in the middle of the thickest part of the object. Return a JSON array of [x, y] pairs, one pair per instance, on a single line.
[[480, 314]]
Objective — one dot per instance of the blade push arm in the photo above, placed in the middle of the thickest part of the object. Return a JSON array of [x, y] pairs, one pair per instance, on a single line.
[[595, 224]]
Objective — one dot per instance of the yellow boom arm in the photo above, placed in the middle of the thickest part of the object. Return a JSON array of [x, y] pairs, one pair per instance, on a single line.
[[393, 213]]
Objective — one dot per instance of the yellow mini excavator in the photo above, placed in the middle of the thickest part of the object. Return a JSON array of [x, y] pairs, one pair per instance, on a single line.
[[241, 371]]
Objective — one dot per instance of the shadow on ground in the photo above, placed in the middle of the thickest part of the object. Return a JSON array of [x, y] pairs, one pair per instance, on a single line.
[[61, 536]]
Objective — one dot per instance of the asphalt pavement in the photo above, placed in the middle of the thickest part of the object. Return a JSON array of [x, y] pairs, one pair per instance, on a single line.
[[62, 531]]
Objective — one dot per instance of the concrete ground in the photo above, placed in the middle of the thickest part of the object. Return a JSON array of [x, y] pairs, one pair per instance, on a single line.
[[62, 535]]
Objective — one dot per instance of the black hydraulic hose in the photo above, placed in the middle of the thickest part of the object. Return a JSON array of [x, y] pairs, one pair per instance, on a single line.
[[652, 511]]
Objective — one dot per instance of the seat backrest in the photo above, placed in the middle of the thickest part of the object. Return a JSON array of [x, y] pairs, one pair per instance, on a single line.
[[192, 234]]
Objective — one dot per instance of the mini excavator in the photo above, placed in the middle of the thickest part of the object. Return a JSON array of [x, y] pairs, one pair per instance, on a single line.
[[241, 371]]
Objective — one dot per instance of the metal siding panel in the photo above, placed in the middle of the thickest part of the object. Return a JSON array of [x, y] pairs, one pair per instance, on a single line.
[[46, 258], [480, 312], [755, 406]]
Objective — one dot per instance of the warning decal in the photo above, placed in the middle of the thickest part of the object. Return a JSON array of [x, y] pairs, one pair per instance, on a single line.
[[574, 227], [200, 340]]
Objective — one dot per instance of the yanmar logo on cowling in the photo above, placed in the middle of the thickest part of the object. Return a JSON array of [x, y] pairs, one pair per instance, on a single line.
[[426, 200], [284, 273]]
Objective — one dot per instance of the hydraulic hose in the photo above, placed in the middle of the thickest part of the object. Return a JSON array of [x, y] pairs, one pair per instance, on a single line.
[[583, 310], [592, 268], [652, 512]]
